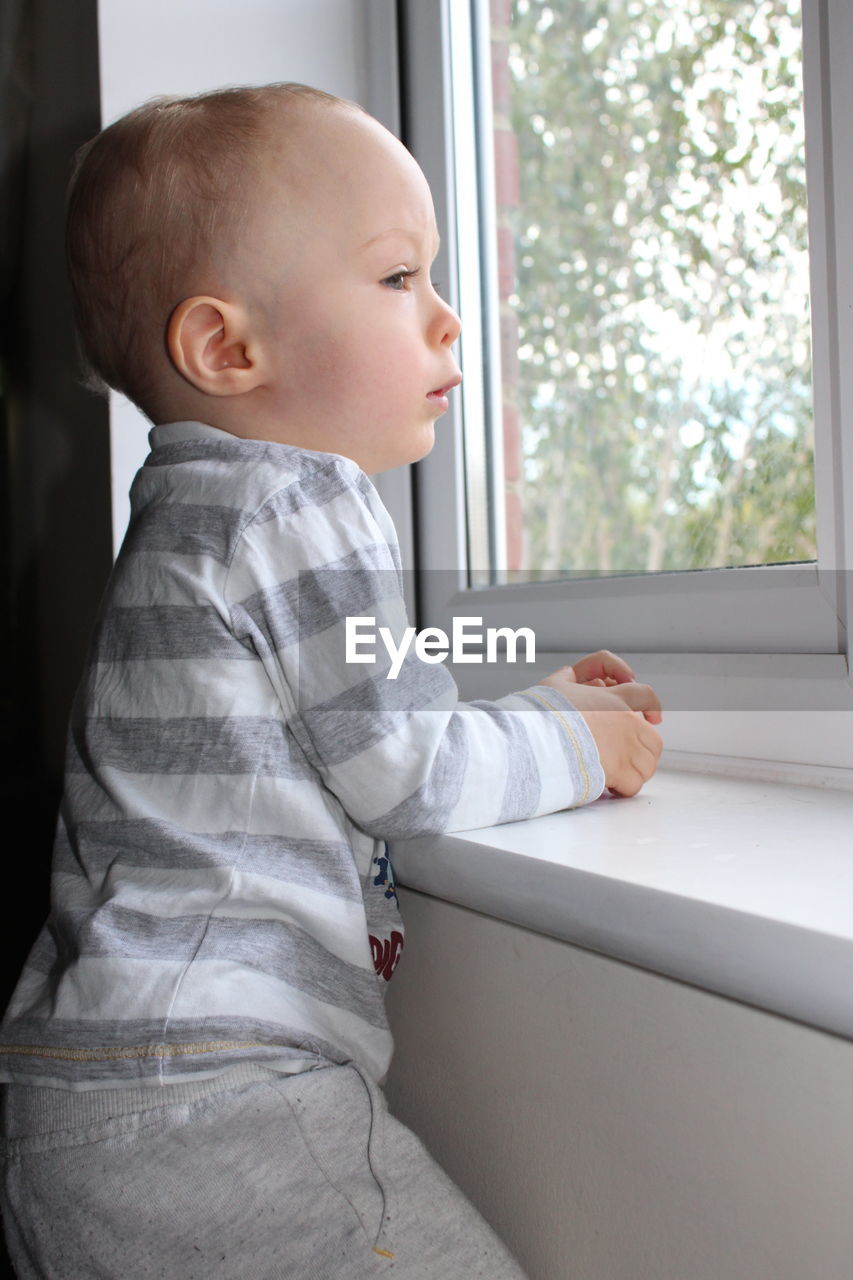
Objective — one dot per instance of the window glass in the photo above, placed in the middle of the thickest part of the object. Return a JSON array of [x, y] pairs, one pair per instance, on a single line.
[[649, 222]]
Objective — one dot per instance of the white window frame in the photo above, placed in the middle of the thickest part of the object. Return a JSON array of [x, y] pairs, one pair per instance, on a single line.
[[753, 665]]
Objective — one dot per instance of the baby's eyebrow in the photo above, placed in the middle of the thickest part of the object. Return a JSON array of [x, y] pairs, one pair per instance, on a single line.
[[402, 232]]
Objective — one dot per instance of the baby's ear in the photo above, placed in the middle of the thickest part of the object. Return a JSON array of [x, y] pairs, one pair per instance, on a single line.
[[210, 345]]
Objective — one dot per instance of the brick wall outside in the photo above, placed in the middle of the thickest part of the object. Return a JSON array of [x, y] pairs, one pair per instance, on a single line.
[[507, 195]]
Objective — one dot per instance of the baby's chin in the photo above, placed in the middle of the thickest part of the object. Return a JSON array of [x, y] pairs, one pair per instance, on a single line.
[[407, 452], [422, 447]]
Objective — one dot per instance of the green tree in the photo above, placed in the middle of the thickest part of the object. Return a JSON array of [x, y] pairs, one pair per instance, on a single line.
[[661, 253]]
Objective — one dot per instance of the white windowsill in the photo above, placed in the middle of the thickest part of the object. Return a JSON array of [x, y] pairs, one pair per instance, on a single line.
[[738, 886], [748, 715]]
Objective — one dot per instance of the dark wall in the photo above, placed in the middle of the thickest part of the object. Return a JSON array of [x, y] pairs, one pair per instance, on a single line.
[[55, 439]]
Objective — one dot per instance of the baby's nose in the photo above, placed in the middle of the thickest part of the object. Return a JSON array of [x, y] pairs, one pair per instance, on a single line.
[[450, 324]]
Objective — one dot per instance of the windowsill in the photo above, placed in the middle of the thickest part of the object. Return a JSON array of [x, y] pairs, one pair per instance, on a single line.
[[741, 887], [747, 714]]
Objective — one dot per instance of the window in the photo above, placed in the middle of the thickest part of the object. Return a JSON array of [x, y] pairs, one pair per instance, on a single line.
[[679, 333], [650, 221]]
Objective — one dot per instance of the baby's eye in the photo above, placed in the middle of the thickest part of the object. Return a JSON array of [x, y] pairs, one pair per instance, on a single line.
[[397, 280]]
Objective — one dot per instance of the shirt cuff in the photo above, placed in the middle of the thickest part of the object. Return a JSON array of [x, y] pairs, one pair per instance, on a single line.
[[560, 720]]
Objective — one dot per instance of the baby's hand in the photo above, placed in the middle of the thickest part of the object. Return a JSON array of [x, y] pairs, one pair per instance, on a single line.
[[602, 668], [620, 719]]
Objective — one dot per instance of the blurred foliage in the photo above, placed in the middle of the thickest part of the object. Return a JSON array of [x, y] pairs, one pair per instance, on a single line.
[[661, 283]]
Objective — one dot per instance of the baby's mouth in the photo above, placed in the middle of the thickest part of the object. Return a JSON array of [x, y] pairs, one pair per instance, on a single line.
[[441, 393]]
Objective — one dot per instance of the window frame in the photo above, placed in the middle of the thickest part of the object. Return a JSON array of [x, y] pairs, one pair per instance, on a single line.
[[802, 615]]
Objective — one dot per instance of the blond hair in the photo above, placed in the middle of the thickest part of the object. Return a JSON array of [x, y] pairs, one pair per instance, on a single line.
[[152, 199]]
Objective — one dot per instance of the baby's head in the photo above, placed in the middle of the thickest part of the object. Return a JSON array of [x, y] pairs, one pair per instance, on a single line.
[[259, 259]]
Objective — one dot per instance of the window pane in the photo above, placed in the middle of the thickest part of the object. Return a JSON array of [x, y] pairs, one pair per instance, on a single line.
[[653, 284]]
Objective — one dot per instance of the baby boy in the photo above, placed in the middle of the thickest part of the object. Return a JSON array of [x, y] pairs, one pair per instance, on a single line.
[[194, 1049]]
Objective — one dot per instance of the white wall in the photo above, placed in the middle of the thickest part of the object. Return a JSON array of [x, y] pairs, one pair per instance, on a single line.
[[187, 46], [612, 1124]]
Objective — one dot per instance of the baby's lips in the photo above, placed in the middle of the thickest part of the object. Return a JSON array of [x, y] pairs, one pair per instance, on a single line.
[[448, 386]]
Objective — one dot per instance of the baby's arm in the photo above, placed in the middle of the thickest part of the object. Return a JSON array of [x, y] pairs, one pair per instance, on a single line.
[[400, 752], [619, 716]]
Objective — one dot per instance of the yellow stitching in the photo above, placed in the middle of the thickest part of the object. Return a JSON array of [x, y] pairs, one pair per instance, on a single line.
[[136, 1051], [573, 739]]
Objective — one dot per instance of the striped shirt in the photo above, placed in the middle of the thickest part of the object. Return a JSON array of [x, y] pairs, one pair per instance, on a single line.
[[220, 888]]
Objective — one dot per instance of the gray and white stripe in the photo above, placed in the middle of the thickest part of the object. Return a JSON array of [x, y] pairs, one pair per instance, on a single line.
[[231, 780]]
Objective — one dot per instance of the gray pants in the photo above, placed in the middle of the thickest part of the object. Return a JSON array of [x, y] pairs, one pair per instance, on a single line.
[[248, 1176]]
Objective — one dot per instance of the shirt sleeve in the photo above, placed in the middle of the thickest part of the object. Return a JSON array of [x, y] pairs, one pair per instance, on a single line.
[[401, 753]]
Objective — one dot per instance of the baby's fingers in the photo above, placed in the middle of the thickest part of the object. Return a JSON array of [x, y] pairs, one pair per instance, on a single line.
[[642, 698], [642, 762], [602, 666]]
